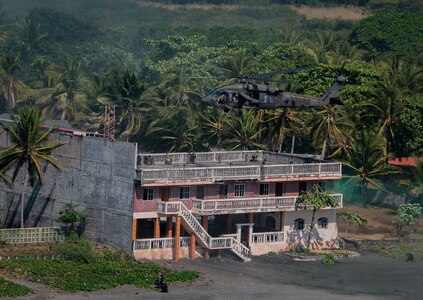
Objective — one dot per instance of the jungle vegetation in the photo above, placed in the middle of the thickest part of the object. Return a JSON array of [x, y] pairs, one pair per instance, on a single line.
[[154, 61]]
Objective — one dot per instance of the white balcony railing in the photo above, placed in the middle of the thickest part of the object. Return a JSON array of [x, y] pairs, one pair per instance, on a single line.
[[267, 237], [160, 243], [258, 204], [239, 172]]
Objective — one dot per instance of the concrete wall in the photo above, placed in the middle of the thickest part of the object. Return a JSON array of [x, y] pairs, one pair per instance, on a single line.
[[160, 254], [97, 175]]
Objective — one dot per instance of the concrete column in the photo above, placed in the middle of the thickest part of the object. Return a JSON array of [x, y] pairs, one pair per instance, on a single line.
[[177, 238], [192, 247], [205, 222], [250, 218], [134, 229], [207, 254], [250, 235], [282, 221], [238, 232], [169, 227], [157, 228], [228, 223]]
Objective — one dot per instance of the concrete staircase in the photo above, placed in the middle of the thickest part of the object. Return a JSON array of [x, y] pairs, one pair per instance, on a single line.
[[193, 226]]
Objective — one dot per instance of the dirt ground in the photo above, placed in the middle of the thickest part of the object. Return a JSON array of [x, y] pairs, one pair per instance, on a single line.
[[275, 277], [381, 225]]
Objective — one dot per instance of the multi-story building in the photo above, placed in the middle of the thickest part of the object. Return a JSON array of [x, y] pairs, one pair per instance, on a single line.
[[179, 204], [189, 204]]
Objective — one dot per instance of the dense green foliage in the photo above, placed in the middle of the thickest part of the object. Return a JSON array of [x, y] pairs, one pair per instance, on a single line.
[[10, 289], [155, 62], [407, 214], [390, 32], [85, 268]]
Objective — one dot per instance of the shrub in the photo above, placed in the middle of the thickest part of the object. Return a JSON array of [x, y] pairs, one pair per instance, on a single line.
[[73, 220], [329, 259]]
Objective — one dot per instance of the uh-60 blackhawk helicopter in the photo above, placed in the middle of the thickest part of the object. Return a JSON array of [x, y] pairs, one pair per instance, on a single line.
[[246, 94]]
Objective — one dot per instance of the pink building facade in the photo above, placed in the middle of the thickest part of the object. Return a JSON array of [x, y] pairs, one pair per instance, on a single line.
[[197, 205]]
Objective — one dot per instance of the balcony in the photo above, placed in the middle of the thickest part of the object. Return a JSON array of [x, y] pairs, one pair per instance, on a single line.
[[240, 165], [233, 206]]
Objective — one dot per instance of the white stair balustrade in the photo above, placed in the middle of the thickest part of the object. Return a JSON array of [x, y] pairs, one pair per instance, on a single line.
[[209, 242]]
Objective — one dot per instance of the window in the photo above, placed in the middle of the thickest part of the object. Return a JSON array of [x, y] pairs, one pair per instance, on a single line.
[[322, 222], [200, 192], [270, 222], [299, 224], [184, 192], [264, 189], [148, 194], [322, 185], [239, 190], [279, 189]]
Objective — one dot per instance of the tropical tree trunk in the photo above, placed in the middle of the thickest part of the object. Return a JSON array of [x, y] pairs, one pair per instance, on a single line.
[[346, 229], [23, 197], [313, 216], [293, 144], [363, 201], [281, 135], [322, 157]]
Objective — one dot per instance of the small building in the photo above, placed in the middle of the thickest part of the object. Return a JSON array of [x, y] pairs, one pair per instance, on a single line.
[[189, 204]]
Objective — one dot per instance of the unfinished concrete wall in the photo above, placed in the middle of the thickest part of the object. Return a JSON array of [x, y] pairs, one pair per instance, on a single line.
[[97, 175]]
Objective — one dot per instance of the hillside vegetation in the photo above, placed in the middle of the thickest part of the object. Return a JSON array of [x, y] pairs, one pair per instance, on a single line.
[[155, 60]]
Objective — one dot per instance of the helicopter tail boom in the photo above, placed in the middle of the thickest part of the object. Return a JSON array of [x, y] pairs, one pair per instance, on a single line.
[[332, 96]]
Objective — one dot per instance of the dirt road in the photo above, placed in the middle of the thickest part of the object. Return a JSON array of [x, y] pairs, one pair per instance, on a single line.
[[277, 277]]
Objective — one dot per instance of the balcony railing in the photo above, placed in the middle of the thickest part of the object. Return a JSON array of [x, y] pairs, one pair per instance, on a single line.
[[214, 174], [223, 157], [205, 207], [267, 237], [160, 243]]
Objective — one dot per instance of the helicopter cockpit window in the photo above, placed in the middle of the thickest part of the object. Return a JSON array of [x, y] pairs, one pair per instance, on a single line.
[[221, 97]]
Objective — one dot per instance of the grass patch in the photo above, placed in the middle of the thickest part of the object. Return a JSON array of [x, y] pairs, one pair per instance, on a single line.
[[86, 268], [10, 289], [399, 251]]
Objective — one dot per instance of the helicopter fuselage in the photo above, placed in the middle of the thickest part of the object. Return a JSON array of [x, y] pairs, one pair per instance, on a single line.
[[263, 96]]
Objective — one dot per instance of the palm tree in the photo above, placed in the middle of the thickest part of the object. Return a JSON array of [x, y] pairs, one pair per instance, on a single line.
[[132, 98], [29, 151], [67, 100], [244, 130], [283, 119], [331, 126], [178, 88], [30, 35], [176, 127], [10, 65], [214, 124], [366, 158]]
